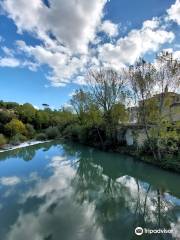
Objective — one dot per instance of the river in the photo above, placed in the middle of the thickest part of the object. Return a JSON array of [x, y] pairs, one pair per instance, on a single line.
[[60, 191]]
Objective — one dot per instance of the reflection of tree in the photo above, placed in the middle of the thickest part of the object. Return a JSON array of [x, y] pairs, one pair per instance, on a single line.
[[89, 189], [26, 153], [124, 204]]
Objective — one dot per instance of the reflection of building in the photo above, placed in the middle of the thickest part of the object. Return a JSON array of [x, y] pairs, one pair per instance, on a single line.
[[170, 108]]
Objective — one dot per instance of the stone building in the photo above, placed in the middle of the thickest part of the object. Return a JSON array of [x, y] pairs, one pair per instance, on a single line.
[[170, 108]]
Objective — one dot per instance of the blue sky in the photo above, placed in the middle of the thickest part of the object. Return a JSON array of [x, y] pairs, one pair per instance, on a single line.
[[47, 47]]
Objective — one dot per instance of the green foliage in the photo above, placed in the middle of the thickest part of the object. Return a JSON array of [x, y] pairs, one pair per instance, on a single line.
[[80, 103], [41, 119], [41, 137], [17, 139], [14, 127], [97, 111], [2, 140], [72, 131], [30, 130], [119, 114], [26, 113], [6, 116], [52, 132], [9, 105], [167, 138], [94, 116], [62, 118]]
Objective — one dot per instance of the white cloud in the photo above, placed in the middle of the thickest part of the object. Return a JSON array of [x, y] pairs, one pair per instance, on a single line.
[[63, 66], [174, 12], [137, 43], [10, 181], [67, 29], [9, 62], [176, 54], [9, 52], [59, 202], [72, 23], [152, 24], [80, 80], [109, 28]]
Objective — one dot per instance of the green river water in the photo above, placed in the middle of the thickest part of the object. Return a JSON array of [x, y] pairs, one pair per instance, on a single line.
[[60, 191]]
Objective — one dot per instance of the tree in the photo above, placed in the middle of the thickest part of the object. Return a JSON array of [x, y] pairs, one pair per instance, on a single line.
[[80, 101], [107, 88], [2, 140], [45, 105], [41, 119], [52, 132], [26, 113], [30, 130], [167, 79], [6, 116], [142, 80], [14, 127], [168, 74], [150, 84]]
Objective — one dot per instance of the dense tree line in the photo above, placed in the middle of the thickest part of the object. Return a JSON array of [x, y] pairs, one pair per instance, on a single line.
[[101, 107], [21, 122]]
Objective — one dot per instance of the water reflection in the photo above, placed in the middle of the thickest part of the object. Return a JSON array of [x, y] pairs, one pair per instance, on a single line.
[[25, 153], [88, 195]]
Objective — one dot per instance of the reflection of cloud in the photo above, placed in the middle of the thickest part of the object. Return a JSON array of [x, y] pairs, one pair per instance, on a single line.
[[10, 181], [139, 192], [65, 221], [59, 180], [59, 216], [176, 229]]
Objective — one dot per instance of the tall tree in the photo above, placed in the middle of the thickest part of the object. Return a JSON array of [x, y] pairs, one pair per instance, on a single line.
[[80, 102], [142, 80], [107, 88]]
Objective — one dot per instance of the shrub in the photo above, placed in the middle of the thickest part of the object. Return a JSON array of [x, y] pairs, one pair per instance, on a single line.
[[5, 117], [30, 130], [2, 140], [75, 132], [71, 131], [17, 139], [41, 137], [14, 127], [52, 132]]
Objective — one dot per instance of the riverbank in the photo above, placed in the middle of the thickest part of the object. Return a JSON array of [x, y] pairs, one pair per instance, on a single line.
[[169, 162], [9, 147]]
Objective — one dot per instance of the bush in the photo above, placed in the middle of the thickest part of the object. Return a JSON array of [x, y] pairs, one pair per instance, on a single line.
[[71, 131], [2, 140], [52, 132], [30, 130], [14, 127], [76, 132], [17, 139], [41, 137]]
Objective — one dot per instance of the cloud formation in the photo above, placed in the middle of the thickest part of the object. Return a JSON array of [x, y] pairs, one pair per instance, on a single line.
[[174, 12], [9, 62], [70, 23], [109, 28], [138, 42], [70, 41]]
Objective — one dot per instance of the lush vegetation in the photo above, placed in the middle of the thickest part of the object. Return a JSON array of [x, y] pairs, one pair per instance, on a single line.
[[100, 111], [19, 123]]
